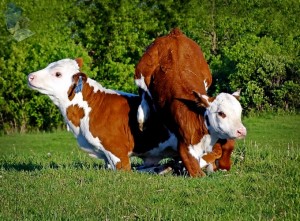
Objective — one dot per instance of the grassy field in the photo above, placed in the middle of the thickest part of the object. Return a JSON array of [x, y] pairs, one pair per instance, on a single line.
[[44, 176]]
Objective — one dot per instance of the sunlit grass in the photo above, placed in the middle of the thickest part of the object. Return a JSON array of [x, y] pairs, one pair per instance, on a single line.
[[45, 176]]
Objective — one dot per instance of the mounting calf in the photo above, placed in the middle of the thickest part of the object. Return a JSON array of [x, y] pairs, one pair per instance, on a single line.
[[173, 77]]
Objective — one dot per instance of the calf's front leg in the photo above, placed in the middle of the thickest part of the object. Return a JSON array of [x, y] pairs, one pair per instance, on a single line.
[[189, 161]]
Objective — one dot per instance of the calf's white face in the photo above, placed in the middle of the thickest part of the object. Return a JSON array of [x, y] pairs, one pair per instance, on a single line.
[[55, 79], [223, 116]]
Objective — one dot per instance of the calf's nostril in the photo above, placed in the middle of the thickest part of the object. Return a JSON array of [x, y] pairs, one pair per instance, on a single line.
[[31, 77], [242, 131]]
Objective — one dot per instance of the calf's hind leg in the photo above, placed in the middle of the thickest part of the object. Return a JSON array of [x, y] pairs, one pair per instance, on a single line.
[[224, 163], [118, 162], [124, 163]]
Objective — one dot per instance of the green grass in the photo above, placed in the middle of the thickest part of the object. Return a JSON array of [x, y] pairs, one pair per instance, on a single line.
[[44, 176]]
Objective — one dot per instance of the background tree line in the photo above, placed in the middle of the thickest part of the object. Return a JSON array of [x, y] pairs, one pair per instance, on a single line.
[[253, 45]]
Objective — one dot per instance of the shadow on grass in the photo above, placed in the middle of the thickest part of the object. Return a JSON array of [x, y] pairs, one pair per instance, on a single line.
[[30, 166], [21, 166], [173, 167], [81, 165]]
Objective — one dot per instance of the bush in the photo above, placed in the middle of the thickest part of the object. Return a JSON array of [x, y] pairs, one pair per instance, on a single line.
[[249, 45]]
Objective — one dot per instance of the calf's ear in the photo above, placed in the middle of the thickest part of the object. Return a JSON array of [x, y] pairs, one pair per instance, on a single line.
[[78, 80], [79, 62], [76, 77], [202, 99], [237, 94]]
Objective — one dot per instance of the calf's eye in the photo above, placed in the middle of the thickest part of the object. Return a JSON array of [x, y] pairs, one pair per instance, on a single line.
[[58, 74], [222, 114]]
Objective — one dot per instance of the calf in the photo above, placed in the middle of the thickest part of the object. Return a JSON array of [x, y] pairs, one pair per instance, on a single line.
[[103, 120], [174, 75]]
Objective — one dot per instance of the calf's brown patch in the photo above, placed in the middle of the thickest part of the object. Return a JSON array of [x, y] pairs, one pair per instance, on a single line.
[[74, 114]]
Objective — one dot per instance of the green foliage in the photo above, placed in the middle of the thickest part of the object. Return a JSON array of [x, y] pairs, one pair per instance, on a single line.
[[115, 34], [261, 72], [21, 108], [258, 52], [252, 45]]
